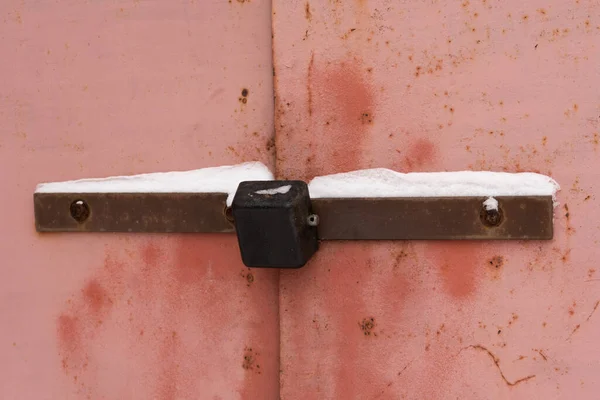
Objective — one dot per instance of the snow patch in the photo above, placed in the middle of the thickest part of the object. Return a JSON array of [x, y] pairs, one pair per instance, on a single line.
[[381, 182], [371, 183], [279, 190], [491, 204], [223, 179]]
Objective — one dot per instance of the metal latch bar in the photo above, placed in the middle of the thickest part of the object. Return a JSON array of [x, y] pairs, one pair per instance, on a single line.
[[429, 218], [434, 218], [132, 212]]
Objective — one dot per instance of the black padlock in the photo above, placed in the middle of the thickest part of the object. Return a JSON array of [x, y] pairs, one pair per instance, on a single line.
[[274, 223]]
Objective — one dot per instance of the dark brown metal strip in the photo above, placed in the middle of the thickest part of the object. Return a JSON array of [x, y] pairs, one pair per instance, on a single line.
[[132, 212], [527, 217]]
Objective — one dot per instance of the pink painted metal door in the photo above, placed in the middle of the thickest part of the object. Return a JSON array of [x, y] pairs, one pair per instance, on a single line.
[[93, 89], [435, 86]]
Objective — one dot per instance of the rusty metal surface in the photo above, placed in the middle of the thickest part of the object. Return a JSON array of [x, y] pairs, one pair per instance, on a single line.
[[340, 219], [443, 86], [432, 218], [96, 89], [133, 212]]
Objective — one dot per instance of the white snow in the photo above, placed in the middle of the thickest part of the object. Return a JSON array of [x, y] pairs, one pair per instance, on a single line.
[[206, 180], [279, 190], [378, 182], [491, 204], [381, 182]]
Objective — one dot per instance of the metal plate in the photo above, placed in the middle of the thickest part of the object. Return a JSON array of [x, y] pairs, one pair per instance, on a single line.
[[527, 217], [133, 212], [432, 218]]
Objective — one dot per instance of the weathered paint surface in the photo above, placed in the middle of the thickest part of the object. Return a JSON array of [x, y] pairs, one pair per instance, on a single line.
[[428, 86], [103, 88]]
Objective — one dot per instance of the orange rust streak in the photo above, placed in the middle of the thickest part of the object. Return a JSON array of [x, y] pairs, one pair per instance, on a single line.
[[307, 13]]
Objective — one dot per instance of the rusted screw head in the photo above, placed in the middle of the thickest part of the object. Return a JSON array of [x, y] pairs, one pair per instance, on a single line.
[[491, 218], [80, 211]]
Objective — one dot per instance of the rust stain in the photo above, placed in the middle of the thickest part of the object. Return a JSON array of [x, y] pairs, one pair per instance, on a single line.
[[541, 353], [496, 262], [309, 79], [347, 34], [574, 330], [95, 296], [593, 310], [514, 318], [578, 326], [250, 360], [406, 270], [366, 118], [189, 263], [168, 381], [564, 255], [307, 13], [569, 228], [353, 267], [341, 96], [591, 272], [147, 297], [270, 145], [69, 338], [398, 256], [495, 266], [419, 155], [244, 96], [497, 363], [80, 322], [458, 264], [367, 325], [248, 277], [150, 255]]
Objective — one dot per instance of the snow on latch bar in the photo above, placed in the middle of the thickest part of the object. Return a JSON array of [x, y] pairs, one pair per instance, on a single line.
[[381, 182], [377, 182], [206, 180]]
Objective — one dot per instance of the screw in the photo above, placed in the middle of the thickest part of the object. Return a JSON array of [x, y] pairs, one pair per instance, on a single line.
[[313, 220], [80, 211], [491, 218], [229, 214]]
